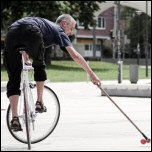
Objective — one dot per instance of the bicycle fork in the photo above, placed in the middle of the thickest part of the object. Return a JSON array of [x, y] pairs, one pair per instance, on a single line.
[[27, 117]]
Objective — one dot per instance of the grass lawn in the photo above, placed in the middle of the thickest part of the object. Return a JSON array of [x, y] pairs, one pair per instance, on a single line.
[[69, 71]]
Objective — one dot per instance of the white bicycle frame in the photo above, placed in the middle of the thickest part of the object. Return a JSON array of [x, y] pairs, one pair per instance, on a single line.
[[25, 81], [28, 97]]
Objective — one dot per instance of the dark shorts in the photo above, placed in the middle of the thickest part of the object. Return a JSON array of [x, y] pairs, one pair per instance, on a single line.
[[31, 39]]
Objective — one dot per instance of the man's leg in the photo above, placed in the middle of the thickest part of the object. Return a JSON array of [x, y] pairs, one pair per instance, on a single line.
[[39, 77], [36, 52], [12, 62], [40, 86], [14, 104], [13, 66]]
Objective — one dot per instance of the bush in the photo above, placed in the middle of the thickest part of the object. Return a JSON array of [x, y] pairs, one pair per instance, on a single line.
[[107, 50]]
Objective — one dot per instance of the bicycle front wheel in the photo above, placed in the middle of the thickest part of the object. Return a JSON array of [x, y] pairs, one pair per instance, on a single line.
[[42, 124]]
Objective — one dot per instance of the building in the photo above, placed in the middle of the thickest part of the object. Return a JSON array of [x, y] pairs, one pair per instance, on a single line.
[[86, 39], [105, 24]]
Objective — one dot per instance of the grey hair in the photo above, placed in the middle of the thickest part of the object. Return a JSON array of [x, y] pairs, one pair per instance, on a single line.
[[66, 17]]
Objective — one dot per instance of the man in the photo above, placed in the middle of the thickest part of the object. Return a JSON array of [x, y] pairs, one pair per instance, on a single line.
[[34, 34]]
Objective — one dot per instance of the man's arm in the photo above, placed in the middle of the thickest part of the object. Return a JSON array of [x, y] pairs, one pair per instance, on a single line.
[[81, 61]]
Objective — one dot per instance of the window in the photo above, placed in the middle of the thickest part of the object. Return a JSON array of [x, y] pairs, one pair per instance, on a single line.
[[101, 22], [87, 47], [88, 50], [98, 47]]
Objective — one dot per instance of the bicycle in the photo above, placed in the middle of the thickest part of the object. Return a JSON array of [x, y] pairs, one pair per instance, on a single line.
[[35, 126]]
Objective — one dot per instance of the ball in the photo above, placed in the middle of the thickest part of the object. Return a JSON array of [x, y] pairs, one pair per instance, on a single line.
[[143, 141]]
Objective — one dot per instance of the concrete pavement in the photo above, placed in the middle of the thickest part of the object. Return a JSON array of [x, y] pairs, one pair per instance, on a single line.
[[141, 89], [89, 122]]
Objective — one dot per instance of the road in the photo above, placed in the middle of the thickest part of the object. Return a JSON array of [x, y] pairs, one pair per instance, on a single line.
[[89, 122]]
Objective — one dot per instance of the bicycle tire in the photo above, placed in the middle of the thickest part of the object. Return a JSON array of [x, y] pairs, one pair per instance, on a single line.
[[52, 127]]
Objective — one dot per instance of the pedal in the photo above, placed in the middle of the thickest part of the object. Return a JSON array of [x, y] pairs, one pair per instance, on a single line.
[[32, 86], [17, 129], [40, 110]]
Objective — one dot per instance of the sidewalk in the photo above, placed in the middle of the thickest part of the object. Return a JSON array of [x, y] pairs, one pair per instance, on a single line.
[[113, 88], [89, 121]]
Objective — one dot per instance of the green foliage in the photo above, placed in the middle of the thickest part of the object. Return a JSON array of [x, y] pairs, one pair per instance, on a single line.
[[107, 50], [81, 10], [132, 30]]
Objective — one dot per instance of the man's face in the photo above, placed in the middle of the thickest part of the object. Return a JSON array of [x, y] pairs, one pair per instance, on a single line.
[[68, 28]]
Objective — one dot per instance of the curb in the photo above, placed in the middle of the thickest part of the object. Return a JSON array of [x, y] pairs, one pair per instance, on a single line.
[[132, 90]]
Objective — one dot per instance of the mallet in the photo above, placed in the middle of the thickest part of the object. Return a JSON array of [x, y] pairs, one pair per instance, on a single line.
[[143, 141]]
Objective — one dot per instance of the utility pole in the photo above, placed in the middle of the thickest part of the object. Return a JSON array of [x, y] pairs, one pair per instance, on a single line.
[[114, 33], [119, 52], [94, 41], [146, 47], [138, 44]]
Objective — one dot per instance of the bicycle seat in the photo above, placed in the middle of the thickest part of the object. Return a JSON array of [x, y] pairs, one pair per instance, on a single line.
[[21, 49]]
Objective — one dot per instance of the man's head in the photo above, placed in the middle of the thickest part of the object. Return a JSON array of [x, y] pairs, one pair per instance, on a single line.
[[67, 22]]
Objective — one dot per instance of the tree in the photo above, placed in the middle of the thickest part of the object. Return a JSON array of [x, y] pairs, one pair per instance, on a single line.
[[80, 10], [132, 30]]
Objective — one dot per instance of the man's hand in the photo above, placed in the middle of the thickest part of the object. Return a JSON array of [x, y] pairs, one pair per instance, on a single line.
[[26, 58], [28, 62], [95, 80]]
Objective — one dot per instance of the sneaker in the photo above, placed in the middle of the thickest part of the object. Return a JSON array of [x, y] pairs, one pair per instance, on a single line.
[[14, 126], [42, 107]]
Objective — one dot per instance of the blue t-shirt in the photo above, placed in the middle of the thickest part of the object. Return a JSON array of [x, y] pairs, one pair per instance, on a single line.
[[52, 33]]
